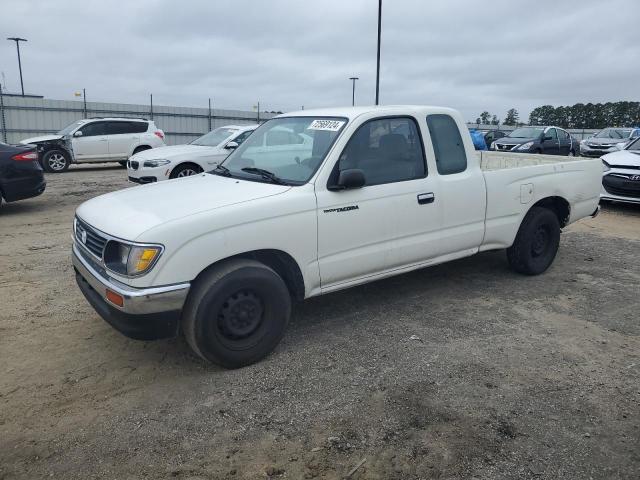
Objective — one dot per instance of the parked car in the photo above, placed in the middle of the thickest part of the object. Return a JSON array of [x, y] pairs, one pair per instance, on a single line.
[[96, 140], [20, 173], [607, 141], [621, 174], [345, 197], [176, 161], [493, 135], [546, 140]]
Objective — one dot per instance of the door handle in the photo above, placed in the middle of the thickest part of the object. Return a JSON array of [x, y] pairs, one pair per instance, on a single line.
[[424, 198]]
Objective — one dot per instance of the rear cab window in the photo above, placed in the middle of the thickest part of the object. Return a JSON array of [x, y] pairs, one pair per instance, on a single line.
[[451, 156]]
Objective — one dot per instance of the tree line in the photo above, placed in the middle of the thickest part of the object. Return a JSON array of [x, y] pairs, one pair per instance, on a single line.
[[588, 115], [580, 115]]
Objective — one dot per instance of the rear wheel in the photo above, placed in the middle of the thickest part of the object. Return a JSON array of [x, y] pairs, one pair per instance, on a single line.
[[236, 313], [55, 161], [536, 243], [185, 170]]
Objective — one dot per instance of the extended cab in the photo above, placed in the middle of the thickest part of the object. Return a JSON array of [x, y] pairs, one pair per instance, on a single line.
[[352, 196]]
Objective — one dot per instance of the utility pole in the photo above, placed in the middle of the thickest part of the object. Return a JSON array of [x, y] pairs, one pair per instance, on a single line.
[[378, 60], [18, 40], [84, 102], [2, 119], [353, 90], [151, 105], [209, 117]]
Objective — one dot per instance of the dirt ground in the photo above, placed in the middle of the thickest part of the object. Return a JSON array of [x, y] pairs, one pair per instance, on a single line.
[[510, 377]]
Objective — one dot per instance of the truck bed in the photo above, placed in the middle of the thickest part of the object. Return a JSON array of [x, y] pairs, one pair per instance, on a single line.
[[490, 160]]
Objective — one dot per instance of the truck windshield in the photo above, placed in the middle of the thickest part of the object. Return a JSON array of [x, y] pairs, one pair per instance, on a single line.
[[70, 128], [527, 132], [284, 150], [616, 133], [214, 137]]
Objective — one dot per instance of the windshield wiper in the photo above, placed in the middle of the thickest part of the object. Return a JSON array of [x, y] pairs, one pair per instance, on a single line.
[[222, 170], [266, 174]]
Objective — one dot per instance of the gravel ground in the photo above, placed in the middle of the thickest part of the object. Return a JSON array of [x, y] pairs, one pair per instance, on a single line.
[[465, 370]]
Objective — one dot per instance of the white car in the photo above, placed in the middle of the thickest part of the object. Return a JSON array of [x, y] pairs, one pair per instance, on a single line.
[[175, 161], [313, 202], [96, 140], [608, 140], [621, 174]]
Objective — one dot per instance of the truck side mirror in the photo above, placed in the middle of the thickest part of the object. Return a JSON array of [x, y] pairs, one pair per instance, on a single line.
[[351, 178], [77, 133], [231, 145]]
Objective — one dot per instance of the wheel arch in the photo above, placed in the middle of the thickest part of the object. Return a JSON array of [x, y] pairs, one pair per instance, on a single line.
[[140, 148], [558, 205], [279, 261], [182, 164]]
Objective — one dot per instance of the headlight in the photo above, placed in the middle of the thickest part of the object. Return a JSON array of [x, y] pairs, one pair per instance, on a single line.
[[155, 163], [583, 143], [605, 166], [525, 146], [130, 260]]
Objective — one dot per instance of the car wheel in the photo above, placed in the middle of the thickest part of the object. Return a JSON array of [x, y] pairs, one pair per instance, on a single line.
[[55, 161], [536, 243], [571, 153], [236, 313], [185, 170]]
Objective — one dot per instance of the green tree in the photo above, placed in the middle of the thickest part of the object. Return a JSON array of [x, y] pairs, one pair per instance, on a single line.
[[512, 117], [484, 117], [495, 120]]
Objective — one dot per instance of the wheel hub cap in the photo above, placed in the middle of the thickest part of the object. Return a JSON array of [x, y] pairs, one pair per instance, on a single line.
[[240, 315], [540, 241], [57, 161]]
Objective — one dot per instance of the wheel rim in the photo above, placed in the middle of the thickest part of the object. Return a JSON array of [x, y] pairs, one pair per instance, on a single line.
[[187, 172], [541, 239], [56, 161], [240, 316]]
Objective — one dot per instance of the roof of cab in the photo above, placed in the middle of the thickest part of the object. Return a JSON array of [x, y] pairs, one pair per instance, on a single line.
[[353, 112]]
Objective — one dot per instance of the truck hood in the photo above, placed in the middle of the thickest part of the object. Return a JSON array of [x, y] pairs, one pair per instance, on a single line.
[[128, 213], [176, 151], [43, 138], [623, 158]]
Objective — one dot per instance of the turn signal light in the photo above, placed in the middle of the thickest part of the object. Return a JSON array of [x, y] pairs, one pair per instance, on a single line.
[[115, 298]]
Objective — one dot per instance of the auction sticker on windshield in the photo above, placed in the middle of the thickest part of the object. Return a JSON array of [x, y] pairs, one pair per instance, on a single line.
[[329, 125]]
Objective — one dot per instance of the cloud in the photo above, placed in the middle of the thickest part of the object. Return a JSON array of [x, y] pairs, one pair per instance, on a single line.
[[466, 54]]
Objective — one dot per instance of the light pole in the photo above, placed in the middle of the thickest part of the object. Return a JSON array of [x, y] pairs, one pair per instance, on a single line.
[[378, 61], [18, 40], [353, 90]]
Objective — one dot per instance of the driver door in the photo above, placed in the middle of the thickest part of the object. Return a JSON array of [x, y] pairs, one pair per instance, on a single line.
[[550, 146]]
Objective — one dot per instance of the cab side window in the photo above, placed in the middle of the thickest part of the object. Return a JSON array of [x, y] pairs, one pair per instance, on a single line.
[[386, 150], [451, 156]]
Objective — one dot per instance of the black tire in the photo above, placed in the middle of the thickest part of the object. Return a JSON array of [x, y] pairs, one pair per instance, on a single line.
[[185, 170], [141, 148], [536, 243], [236, 313], [55, 161]]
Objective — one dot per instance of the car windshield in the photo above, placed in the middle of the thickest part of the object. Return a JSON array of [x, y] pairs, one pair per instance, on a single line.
[[634, 146], [70, 128], [527, 132], [616, 133], [284, 150], [214, 137]]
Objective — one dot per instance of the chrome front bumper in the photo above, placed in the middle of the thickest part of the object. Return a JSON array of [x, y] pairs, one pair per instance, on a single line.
[[137, 301]]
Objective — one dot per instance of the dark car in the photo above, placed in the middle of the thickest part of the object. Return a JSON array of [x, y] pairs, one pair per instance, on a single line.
[[20, 173], [493, 135], [547, 140]]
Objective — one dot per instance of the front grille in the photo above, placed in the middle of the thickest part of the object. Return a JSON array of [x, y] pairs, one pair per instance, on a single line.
[[501, 146], [134, 164], [621, 186], [90, 238]]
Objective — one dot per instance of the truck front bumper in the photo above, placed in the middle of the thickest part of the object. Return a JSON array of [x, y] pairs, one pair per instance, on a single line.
[[146, 313]]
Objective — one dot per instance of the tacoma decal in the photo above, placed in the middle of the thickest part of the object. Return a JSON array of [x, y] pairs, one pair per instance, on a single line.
[[341, 209]]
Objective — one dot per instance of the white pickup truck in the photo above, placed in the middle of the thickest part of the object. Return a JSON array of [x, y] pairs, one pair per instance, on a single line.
[[347, 196]]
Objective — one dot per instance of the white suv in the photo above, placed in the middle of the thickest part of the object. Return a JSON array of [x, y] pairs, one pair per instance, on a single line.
[[96, 140], [176, 161]]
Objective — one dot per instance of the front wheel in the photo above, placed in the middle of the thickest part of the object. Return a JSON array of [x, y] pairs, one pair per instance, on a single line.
[[185, 170], [55, 161], [236, 313], [536, 243]]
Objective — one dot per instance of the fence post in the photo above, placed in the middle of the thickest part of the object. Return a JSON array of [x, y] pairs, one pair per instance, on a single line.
[[151, 111], [258, 113], [4, 126], [209, 116], [84, 101]]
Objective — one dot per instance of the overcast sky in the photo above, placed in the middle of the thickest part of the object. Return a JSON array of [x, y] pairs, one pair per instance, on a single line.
[[471, 55]]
